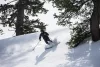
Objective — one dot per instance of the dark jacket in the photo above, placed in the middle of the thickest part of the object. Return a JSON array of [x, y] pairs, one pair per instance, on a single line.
[[44, 35]]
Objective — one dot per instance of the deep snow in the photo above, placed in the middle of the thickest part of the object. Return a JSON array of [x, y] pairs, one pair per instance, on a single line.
[[17, 52]]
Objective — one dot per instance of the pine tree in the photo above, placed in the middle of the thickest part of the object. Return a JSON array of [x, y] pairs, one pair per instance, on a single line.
[[17, 15], [87, 9]]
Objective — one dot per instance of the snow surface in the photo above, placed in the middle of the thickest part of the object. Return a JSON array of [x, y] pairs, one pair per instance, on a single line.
[[17, 52]]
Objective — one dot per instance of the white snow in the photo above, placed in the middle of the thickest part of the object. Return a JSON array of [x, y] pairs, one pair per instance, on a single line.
[[17, 52]]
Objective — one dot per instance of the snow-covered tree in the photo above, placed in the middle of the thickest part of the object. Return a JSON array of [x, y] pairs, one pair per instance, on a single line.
[[87, 10], [17, 12]]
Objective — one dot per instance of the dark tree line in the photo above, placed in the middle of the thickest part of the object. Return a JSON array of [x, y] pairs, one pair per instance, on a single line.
[[17, 15], [89, 25]]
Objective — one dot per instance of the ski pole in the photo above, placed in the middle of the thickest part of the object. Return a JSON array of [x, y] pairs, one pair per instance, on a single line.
[[36, 45]]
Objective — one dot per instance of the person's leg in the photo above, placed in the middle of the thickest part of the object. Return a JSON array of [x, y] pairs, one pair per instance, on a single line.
[[49, 40], [46, 42]]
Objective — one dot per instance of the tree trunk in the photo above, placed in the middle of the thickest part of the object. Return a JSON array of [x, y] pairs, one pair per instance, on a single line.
[[95, 20], [20, 17]]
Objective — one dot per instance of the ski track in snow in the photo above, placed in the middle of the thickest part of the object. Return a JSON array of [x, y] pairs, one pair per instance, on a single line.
[[17, 52]]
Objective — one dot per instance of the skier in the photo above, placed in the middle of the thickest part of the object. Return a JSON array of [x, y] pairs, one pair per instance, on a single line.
[[45, 36]]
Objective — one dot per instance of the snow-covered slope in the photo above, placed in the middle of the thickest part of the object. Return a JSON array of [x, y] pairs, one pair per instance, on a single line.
[[17, 52]]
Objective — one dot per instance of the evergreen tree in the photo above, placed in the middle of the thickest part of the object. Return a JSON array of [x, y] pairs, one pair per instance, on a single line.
[[87, 9], [17, 15]]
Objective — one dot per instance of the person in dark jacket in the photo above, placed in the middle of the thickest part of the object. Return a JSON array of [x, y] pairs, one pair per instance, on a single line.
[[45, 36]]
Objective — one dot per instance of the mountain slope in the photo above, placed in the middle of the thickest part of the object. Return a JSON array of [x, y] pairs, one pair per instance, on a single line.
[[17, 52]]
